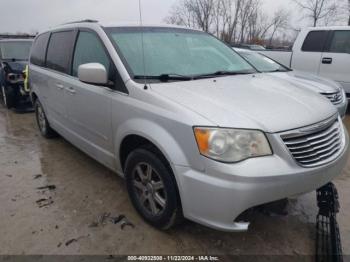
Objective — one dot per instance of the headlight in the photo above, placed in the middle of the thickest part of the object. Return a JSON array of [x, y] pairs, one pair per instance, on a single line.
[[231, 145]]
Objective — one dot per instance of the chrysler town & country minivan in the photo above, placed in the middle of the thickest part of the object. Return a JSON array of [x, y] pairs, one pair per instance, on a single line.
[[193, 128]]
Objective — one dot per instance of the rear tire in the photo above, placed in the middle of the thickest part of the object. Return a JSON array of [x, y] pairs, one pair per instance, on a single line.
[[44, 126], [152, 189], [8, 97]]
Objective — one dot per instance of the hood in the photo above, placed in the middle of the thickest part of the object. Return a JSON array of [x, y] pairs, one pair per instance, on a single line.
[[249, 101], [16, 66], [309, 81]]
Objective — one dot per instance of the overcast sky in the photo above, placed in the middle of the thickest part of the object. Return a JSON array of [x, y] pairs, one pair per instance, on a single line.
[[37, 15]]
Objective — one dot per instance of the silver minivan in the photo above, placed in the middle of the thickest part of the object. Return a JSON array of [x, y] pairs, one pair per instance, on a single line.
[[195, 130]]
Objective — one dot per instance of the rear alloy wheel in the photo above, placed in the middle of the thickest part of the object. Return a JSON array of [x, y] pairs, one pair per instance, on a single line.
[[4, 99], [8, 97], [152, 188], [43, 124]]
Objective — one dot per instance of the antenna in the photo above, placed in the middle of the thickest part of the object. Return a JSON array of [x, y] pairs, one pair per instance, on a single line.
[[142, 46]]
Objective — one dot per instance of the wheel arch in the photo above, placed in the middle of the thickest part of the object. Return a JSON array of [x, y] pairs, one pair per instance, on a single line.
[[138, 132], [135, 140]]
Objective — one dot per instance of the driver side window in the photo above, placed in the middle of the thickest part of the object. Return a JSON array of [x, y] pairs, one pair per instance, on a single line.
[[89, 49]]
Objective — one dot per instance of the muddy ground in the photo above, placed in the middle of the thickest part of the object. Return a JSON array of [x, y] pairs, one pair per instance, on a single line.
[[85, 190]]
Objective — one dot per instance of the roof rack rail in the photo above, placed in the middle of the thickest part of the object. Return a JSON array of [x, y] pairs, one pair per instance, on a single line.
[[82, 21]]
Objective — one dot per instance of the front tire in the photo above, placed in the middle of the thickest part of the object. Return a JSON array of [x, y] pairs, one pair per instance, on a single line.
[[8, 97], [44, 126], [152, 189]]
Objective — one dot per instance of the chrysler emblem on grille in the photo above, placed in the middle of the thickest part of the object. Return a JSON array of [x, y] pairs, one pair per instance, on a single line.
[[336, 97]]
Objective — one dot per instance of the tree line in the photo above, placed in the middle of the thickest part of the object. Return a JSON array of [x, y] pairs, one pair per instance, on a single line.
[[246, 21]]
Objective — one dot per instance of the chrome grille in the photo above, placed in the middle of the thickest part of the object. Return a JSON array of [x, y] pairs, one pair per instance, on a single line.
[[316, 145], [335, 98]]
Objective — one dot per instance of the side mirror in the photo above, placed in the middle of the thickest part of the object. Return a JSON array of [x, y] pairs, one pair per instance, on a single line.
[[93, 73]]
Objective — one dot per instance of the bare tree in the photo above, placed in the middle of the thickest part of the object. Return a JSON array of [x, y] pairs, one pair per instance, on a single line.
[[230, 10], [181, 14], [247, 10], [221, 14], [231, 20], [215, 16], [317, 10], [193, 13], [279, 21], [203, 12], [260, 24]]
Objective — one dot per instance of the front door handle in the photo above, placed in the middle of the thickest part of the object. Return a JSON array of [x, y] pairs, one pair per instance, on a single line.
[[71, 90], [327, 60]]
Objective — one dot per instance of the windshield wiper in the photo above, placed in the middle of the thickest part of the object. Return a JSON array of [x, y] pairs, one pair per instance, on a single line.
[[224, 73], [178, 77], [165, 77]]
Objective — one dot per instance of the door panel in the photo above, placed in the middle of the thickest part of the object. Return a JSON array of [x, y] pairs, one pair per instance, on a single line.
[[55, 102], [335, 62], [58, 60], [338, 67], [89, 106], [308, 58], [306, 62], [89, 118]]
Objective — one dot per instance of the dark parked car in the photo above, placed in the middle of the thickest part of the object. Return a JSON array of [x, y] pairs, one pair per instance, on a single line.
[[14, 55]]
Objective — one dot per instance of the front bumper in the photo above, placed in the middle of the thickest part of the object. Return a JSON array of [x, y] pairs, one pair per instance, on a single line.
[[216, 196]]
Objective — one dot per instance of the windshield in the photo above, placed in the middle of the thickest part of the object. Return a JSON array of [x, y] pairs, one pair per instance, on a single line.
[[169, 51], [263, 63], [17, 50]]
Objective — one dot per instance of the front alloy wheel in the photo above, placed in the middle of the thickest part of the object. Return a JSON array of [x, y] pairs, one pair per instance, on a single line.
[[8, 97], [149, 188], [152, 188]]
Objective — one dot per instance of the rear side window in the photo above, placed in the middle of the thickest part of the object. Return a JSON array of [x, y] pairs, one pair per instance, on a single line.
[[38, 52], [315, 41], [60, 50], [340, 42], [89, 49]]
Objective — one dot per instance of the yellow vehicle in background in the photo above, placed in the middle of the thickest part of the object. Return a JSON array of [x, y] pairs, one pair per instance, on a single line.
[[26, 79]]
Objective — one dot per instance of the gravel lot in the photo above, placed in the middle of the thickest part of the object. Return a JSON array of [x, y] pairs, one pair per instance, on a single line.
[[67, 219]]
